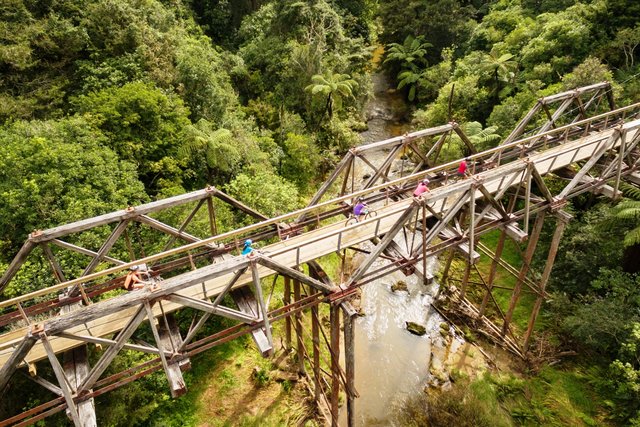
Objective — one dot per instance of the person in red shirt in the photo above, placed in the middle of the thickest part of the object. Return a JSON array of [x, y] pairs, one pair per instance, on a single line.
[[462, 168], [421, 188]]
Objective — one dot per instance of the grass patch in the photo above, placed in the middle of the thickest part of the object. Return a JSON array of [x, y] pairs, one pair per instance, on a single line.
[[503, 278], [555, 397]]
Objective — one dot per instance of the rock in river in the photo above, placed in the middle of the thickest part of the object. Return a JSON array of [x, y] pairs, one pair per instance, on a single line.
[[416, 328], [399, 286]]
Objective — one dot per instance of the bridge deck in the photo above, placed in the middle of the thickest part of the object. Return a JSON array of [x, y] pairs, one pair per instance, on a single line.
[[109, 316]]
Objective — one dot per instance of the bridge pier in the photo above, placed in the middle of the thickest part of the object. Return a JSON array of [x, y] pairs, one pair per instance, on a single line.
[[514, 340], [76, 369]]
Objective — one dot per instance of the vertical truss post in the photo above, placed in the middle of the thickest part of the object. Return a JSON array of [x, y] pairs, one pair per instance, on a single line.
[[623, 143], [472, 221], [348, 315], [298, 324], [424, 246], [492, 272], [212, 216], [76, 369], [335, 363], [263, 308], [531, 247], [315, 337], [562, 220], [527, 198], [173, 373], [287, 321]]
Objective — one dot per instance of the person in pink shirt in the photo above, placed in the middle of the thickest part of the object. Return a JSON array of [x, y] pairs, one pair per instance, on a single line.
[[421, 188]]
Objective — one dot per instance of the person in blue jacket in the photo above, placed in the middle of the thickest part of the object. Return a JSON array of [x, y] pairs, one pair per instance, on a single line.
[[247, 248]]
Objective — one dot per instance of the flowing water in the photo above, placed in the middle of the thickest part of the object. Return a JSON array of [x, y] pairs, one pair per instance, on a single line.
[[391, 363]]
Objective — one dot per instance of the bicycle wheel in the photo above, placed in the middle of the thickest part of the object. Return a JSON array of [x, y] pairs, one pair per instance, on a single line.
[[370, 214], [351, 221]]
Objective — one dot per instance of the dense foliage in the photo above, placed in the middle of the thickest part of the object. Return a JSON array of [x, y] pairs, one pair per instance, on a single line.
[[109, 103]]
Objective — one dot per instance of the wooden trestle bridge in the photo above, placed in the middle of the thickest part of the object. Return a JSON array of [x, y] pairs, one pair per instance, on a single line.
[[579, 137]]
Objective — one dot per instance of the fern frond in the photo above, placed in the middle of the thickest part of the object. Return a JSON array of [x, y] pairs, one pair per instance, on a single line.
[[630, 191], [632, 237]]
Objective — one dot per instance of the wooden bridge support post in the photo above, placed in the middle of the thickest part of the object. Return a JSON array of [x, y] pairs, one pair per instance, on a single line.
[[492, 272], [424, 246], [348, 314], [562, 220], [76, 369], [335, 364], [526, 264], [298, 325], [287, 321], [315, 337], [264, 310]]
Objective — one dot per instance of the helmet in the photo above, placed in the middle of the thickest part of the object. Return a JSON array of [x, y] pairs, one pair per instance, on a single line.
[[134, 267], [248, 242], [425, 181]]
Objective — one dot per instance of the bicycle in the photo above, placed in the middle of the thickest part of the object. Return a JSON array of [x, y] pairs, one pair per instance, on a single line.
[[354, 219]]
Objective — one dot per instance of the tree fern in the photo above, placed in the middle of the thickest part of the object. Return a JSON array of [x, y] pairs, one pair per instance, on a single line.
[[629, 211], [630, 191], [334, 86]]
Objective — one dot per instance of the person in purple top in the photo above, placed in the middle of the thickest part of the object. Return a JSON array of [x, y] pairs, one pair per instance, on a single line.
[[360, 209]]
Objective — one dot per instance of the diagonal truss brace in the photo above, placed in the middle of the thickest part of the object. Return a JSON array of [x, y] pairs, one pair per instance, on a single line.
[[112, 351], [362, 269], [208, 307]]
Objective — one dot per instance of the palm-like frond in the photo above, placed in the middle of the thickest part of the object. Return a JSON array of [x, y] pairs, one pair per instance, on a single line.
[[632, 237], [410, 53], [630, 191], [333, 86], [629, 210], [481, 138]]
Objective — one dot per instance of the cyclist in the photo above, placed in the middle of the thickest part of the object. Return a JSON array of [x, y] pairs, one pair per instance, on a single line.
[[360, 209]]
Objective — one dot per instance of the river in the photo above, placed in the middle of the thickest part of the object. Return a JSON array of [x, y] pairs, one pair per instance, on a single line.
[[391, 363]]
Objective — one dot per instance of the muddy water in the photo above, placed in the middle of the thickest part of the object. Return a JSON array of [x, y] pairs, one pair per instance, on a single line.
[[391, 364]]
